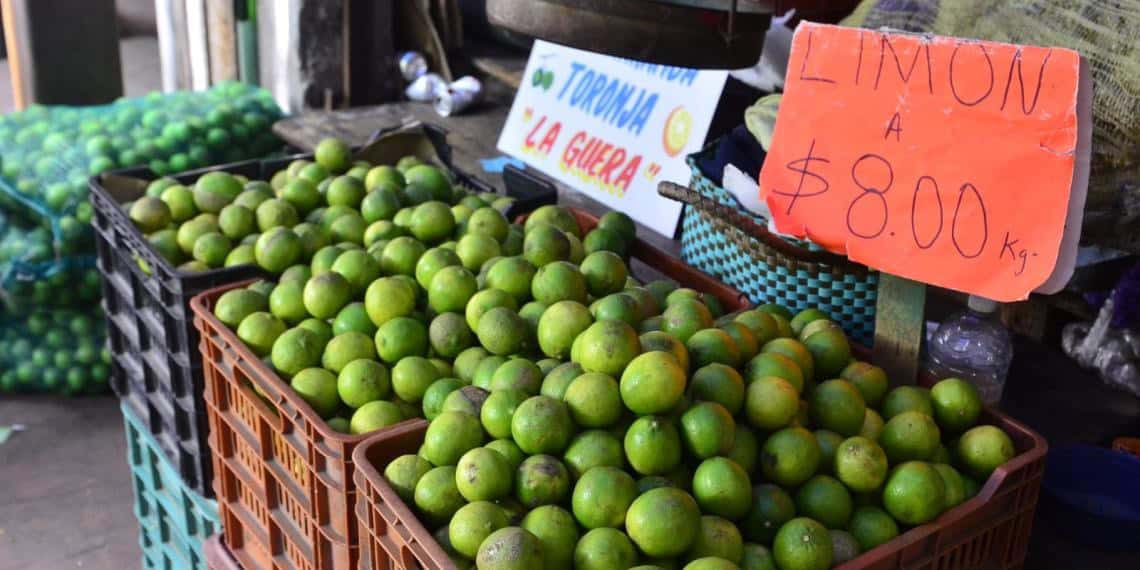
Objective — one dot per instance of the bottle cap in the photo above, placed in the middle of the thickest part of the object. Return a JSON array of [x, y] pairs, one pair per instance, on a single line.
[[981, 304]]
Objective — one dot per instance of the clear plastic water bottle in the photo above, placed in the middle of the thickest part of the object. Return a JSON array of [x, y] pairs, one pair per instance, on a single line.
[[974, 346]]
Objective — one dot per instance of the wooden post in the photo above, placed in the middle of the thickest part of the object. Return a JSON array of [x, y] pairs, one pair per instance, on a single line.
[[221, 37], [899, 326], [63, 52]]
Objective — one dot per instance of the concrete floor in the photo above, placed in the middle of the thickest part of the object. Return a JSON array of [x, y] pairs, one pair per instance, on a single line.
[[65, 486], [65, 490]]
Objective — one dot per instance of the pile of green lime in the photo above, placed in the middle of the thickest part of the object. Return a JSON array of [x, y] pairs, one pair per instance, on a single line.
[[580, 418], [311, 212], [58, 351], [48, 153]]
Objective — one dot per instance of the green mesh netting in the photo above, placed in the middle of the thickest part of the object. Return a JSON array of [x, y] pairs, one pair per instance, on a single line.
[[60, 351], [47, 154], [1107, 35]]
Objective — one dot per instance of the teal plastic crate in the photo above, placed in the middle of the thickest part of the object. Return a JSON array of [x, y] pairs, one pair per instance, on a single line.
[[174, 521]]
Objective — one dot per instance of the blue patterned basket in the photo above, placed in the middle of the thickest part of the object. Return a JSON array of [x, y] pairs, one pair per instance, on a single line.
[[723, 239]]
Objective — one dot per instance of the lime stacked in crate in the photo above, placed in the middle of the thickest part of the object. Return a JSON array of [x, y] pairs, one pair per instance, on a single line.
[[162, 241], [300, 372], [757, 439], [174, 520]]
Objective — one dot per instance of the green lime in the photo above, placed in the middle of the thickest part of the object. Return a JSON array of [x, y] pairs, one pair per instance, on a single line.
[[345, 348], [237, 304], [664, 342], [717, 539], [513, 275], [432, 179], [517, 374], [914, 493], [559, 325], [556, 382], [796, 351], [358, 269], [362, 381], [838, 406], [502, 331], [909, 436], [483, 475], [558, 281], [498, 410], [286, 302], [437, 496], [907, 399], [449, 436], [151, 214], [983, 449], [510, 548], [374, 415], [826, 500], [384, 175], [594, 400], [872, 526], [399, 337], [684, 318], [333, 154], [545, 243], [476, 249], [653, 445], [603, 239], [790, 456], [722, 487], [451, 288], [401, 255], [318, 387], [326, 294], [542, 425], [770, 403], [449, 335], [388, 298], [602, 496], [380, 203], [803, 544], [541, 480], [259, 331], [653, 383], [619, 223], [771, 508], [664, 522], [211, 249], [593, 448], [869, 379], [275, 213], [277, 249], [719, 383], [956, 404]]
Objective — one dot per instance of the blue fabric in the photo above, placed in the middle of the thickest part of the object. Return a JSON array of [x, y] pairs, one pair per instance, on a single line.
[[740, 149]]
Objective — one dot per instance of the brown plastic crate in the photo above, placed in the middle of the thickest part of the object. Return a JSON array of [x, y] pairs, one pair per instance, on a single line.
[[218, 557], [989, 531], [282, 476]]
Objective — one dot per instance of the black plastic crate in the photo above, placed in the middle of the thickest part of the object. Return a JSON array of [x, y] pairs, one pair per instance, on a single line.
[[157, 363]]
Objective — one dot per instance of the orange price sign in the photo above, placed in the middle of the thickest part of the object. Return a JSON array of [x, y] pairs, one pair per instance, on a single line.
[[943, 160]]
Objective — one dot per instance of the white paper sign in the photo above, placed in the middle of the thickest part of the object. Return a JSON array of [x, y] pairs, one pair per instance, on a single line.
[[612, 128]]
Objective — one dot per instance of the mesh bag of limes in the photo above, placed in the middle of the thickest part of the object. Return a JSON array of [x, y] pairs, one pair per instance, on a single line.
[[32, 278], [58, 351], [48, 153]]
